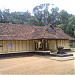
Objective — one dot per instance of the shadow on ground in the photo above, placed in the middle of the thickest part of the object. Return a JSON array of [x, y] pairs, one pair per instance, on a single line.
[[24, 54]]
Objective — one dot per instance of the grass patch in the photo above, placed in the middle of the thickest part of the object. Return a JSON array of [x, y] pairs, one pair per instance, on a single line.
[[72, 46], [72, 49]]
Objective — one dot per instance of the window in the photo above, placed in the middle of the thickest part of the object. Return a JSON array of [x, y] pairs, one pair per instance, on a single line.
[[51, 30]]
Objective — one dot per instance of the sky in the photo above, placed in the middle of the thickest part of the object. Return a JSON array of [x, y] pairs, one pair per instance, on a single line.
[[23, 5]]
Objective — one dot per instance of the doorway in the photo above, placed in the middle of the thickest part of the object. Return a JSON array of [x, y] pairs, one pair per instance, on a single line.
[[41, 45]]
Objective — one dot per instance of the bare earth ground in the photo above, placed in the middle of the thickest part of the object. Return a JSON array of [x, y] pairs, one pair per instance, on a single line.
[[36, 64]]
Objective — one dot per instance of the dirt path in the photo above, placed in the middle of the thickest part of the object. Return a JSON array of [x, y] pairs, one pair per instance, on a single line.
[[36, 65]]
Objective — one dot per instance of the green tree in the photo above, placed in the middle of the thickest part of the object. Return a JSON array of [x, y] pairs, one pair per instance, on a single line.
[[64, 20], [54, 17], [41, 13], [67, 23], [6, 16], [64, 17], [0, 15], [33, 20], [71, 26], [20, 17]]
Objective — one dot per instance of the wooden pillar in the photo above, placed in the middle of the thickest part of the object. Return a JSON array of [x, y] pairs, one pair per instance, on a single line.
[[36, 44], [46, 43], [43, 44], [56, 44], [2, 46]]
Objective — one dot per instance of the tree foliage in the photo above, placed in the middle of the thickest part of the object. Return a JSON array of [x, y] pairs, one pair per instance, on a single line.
[[14, 17], [41, 13], [54, 17]]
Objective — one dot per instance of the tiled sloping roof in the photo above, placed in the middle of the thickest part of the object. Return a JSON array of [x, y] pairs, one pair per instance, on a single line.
[[27, 32], [61, 32]]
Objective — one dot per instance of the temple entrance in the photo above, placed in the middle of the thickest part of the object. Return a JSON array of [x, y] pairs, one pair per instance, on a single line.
[[41, 45]]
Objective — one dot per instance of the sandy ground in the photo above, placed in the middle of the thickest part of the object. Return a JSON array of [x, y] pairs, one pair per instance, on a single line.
[[35, 65]]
